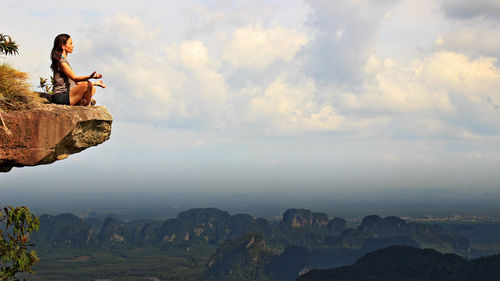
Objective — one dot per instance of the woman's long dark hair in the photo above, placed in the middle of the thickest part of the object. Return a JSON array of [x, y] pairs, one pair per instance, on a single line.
[[57, 50]]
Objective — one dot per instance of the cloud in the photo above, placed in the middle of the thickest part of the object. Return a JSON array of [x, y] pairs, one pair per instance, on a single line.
[[187, 84], [345, 33], [290, 107], [478, 80], [224, 16], [256, 47], [474, 30], [445, 94], [190, 84], [204, 90], [474, 38], [397, 90], [119, 35], [143, 85], [466, 9]]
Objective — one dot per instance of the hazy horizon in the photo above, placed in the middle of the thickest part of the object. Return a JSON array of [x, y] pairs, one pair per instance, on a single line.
[[162, 205]]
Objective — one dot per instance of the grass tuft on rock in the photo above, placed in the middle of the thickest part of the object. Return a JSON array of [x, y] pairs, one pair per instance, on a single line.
[[15, 91]]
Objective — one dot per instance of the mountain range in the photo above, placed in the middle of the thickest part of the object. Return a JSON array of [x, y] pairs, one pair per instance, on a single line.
[[298, 227], [249, 248]]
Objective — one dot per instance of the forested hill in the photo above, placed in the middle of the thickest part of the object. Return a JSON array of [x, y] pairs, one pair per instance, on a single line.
[[402, 263], [213, 226], [249, 247]]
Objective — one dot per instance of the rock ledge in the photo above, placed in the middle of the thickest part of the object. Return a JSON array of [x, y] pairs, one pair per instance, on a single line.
[[50, 133]]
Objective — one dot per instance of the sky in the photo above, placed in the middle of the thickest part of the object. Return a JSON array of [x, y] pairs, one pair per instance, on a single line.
[[275, 97]]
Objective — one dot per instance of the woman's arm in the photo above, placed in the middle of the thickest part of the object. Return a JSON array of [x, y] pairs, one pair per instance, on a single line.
[[69, 73]]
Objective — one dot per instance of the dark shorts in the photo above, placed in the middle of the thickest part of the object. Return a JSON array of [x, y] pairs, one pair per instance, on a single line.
[[61, 98]]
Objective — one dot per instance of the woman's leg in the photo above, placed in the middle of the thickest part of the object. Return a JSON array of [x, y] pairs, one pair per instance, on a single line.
[[92, 101], [88, 95], [92, 92], [81, 93]]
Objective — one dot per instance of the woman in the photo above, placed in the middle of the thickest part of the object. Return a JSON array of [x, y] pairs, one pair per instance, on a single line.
[[70, 89]]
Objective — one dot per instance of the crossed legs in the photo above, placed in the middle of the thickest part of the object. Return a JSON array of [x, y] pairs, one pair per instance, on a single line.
[[81, 94]]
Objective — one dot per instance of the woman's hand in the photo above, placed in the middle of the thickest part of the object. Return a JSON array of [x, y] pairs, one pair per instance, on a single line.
[[95, 76], [99, 84]]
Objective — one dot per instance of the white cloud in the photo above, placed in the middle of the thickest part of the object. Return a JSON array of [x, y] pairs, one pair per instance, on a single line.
[[445, 94], [397, 89], [345, 34], [291, 108], [187, 83], [203, 80], [176, 82], [478, 79], [256, 47]]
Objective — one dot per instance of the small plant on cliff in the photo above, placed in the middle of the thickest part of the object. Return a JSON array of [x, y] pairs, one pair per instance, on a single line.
[[7, 46], [16, 223], [45, 86], [15, 91]]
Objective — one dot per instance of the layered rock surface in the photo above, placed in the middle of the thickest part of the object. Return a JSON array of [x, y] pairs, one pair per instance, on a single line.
[[50, 133]]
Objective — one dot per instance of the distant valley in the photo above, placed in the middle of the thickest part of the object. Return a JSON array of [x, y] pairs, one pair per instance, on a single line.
[[207, 243]]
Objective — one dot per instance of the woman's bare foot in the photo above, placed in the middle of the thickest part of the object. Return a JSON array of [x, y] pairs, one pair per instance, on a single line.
[[99, 84]]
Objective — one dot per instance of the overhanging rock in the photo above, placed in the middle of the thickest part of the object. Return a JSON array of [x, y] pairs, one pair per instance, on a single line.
[[50, 133]]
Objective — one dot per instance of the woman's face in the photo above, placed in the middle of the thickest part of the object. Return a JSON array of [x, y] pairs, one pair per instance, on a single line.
[[68, 47]]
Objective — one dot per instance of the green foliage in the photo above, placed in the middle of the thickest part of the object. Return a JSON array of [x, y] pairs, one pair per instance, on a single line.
[[17, 223], [7, 46], [243, 258], [45, 86], [174, 264], [62, 232]]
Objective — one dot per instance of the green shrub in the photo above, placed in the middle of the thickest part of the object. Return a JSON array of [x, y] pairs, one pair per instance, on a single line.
[[15, 91], [16, 223]]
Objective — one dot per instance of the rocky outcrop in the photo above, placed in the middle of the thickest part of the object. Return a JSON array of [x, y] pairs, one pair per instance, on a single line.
[[337, 225], [114, 234], [427, 236], [65, 231], [304, 218], [210, 225], [243, 258], [50, 133]]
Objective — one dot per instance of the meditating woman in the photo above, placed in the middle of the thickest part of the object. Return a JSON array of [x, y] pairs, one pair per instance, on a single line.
[[70, 89]]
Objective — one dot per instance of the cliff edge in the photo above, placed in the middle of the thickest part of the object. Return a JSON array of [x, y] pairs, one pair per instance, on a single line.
[[49, 133]]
